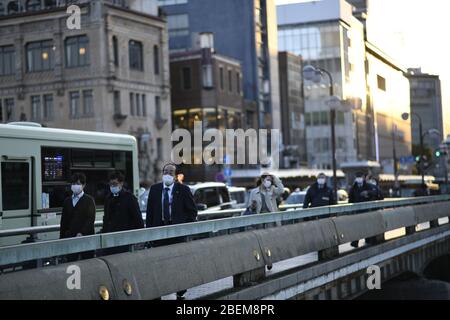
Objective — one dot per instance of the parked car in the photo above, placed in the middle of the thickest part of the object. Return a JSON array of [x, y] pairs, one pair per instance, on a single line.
[[239, 197], [295, 198], [211, 196]]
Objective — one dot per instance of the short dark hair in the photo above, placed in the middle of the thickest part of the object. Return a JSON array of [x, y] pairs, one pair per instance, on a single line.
[[78, 176], [360, 174], [171, 164], [117, 175]]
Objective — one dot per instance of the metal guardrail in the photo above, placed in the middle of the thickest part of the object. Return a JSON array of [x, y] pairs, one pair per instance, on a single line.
[[27, 252]]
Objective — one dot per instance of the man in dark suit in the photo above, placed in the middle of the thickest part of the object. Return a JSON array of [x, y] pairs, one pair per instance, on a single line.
[[78, 214], [169, 203], [121, 212]]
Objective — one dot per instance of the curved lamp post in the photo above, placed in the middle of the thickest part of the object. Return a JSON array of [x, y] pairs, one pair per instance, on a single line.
[[314, 74]]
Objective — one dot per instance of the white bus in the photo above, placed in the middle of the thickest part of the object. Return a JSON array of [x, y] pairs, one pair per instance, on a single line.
[[36, 165]]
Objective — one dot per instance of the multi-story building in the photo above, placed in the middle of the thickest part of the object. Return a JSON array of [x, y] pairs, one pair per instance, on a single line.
[[388, 98], [243, 30], [292, 110], [111, 75], [207, 89], [331, 34], [328, 36], [426, 101]]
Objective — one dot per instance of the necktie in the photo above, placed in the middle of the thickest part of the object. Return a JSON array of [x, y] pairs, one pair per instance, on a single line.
[[166, 205]]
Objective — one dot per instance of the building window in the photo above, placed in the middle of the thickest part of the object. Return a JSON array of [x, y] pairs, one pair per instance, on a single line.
[[77, 51], [316, 118], [159, 148], [74, 104], [48, 107], [186, 78], [138, 104], [8, 109], [207, 76], [117, 106], [14, 7], [144, 105], [381, 83], [308, 119], [88, 103], [132, 112], [178, 25], [221, 79], [230, 81], [136, 56], [324, 120], [238, 82], [33, 5], [7, 60], [156, 59], [49, 4], [35, 108], [115, 51], [40, 56], [340, 118], [158, 107]]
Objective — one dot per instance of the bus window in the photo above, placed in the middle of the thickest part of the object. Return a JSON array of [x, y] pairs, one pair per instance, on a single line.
[[82, 158], [55, 164], [59, 164], [15, 186], [103, 159]]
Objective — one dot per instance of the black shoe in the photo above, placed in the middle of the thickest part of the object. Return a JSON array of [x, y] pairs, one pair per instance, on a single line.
[[355, 244], [180, 297]]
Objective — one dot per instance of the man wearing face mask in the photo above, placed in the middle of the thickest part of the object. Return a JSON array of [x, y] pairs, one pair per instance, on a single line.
[[376, 193], [78, 213], [319, 194], [121, 210], [263, 199], [169, 203]]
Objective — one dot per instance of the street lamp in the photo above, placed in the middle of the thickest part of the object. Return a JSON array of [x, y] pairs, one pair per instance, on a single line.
[[314, 74], [405, 116]]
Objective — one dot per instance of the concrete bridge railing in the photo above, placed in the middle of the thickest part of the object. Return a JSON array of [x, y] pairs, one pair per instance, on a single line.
[[155, 272]]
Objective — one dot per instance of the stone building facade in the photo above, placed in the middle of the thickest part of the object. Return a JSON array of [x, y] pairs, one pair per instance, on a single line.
[[111, 75]]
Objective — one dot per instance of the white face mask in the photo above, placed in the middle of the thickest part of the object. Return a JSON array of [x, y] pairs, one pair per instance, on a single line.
[[321, 181], [115, 190], [77, 189], [359, 180], [168, 180], [267, 183]]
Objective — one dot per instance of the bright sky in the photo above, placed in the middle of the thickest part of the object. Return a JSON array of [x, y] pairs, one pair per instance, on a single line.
[[415, 33]]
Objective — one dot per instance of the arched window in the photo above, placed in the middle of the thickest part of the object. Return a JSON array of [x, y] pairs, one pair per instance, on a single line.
[[33, 5], [49, 4], [156, 59], [13, 7]]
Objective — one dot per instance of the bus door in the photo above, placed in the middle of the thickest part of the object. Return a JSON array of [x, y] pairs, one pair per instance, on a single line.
[[15, 196]]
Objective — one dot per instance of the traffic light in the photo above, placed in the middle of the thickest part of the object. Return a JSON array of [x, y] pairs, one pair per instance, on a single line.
[[438, 153], [417, 158]]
